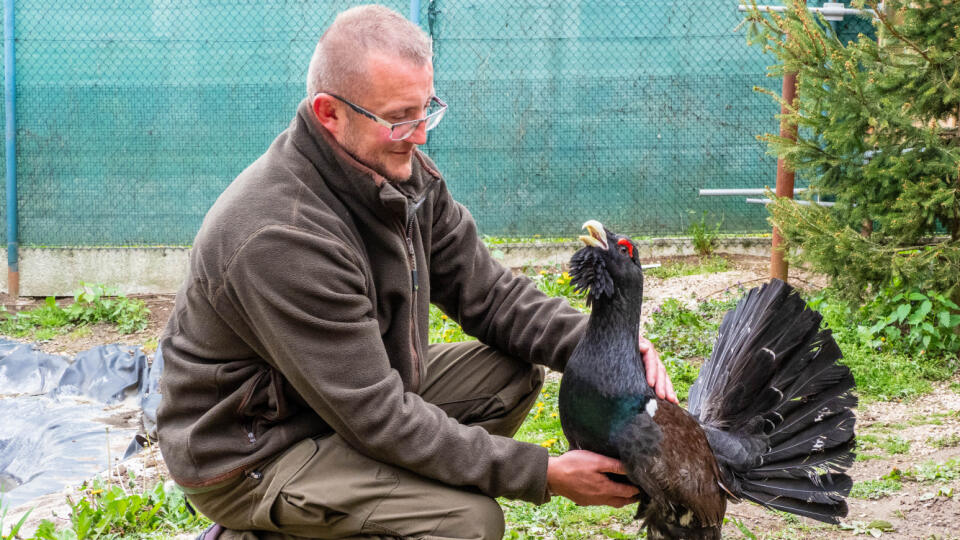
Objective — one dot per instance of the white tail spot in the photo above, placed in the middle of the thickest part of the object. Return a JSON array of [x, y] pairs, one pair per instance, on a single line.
[[651, 407]]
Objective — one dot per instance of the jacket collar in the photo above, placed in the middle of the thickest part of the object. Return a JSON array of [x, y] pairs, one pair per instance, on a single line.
[[351, 179]]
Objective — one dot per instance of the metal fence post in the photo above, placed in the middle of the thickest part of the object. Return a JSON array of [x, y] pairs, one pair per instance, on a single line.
[[415, 12], [10, 80]]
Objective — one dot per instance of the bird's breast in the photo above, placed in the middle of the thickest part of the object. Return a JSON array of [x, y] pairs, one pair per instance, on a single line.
[[589, 415]]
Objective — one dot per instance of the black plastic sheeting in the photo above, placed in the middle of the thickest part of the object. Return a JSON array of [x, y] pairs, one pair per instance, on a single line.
[[54, 414]]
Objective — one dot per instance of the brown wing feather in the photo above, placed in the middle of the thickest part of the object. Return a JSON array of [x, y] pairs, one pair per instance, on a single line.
[[684, 473]]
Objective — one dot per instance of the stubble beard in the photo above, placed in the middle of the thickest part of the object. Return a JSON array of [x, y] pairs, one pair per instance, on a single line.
[[350, 145]]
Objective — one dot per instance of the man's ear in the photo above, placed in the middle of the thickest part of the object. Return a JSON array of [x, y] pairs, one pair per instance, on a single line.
[[326, 112]]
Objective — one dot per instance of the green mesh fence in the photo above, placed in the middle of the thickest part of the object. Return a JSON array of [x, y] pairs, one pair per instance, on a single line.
[[134, 115]]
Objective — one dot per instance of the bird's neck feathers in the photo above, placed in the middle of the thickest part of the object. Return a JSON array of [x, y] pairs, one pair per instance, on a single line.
[[615, 320]]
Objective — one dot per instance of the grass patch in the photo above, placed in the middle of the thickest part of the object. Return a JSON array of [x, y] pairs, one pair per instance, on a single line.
[[703, 265], [927, 472], [683, 332], [110, 511], [955, 387], [562, 517], [92, 304], [896, 445], [542, 425], [875, 489], [932, 471], [883, 376], [535, 239], [80, 332], [949, 441]]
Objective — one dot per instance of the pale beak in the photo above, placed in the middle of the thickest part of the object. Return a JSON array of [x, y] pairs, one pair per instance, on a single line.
[[597, 237]]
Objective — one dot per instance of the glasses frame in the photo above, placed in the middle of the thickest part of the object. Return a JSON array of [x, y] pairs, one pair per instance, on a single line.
[[392, 126]]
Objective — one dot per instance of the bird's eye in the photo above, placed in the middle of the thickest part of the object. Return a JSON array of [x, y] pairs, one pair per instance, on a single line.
[[626, 248]]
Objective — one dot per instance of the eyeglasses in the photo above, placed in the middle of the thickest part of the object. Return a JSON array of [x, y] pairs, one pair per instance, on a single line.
[[401, 130]]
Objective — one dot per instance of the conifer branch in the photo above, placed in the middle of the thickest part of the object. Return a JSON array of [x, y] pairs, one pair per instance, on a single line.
[[886, 24]]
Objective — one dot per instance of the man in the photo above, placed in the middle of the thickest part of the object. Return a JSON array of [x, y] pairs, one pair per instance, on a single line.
[[300, 396]]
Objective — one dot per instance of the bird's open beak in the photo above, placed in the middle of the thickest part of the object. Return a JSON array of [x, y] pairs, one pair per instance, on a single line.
[[597, 237]]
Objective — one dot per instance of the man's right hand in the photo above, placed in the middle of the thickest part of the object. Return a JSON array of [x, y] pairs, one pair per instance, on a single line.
[[579, 476]]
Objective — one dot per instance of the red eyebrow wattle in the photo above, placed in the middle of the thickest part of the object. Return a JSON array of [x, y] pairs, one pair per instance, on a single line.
[[625, 242]]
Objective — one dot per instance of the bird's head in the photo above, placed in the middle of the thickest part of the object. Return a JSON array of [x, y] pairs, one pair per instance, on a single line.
[[607, 264]]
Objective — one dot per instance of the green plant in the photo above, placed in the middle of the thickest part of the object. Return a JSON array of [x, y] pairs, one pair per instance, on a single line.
[[555, 282], [16, 527], [880, 374], [875, 528], [916, 323], [96, 303], [683, 332], [108, 511], [948, 441], [931, 471], [703, 237], [92, 304], [443, 329], [896, 445], [742, 527], [876, 489]]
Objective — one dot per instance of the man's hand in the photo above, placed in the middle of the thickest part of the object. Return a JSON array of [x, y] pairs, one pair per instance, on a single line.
[[656, 374], [579, 476]]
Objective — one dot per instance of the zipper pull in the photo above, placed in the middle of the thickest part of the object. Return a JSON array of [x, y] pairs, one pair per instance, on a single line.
[[413, 276]]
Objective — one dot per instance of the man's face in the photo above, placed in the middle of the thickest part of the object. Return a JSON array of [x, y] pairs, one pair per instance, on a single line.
[[397, 91]]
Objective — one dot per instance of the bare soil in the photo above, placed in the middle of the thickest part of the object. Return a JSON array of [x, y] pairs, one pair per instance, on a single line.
[[914, 512]]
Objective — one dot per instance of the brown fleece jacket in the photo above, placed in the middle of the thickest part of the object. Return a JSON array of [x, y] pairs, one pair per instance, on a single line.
[[300, 317]]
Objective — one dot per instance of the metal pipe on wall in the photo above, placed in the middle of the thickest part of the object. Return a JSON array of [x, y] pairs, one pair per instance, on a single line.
[[415, 11], [10, 84]]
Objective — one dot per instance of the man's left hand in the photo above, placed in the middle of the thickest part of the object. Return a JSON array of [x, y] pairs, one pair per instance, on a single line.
[[656, 373]]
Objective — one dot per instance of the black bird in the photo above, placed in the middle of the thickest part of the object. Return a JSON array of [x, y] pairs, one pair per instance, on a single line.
[[769, 417]]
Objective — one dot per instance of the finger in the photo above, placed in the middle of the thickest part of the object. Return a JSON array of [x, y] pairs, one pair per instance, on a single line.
[[662, 382], [620, 502], [671, 393], [650, 360], [610, 465], [619, 489]]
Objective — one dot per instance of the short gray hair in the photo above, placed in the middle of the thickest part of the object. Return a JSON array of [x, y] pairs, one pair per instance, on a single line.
[[337, 65]]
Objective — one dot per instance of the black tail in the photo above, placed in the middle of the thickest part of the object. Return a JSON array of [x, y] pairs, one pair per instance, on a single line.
[[776, 406]]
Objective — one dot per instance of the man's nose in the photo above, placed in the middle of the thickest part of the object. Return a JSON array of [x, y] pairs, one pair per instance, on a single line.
[[419, 135]]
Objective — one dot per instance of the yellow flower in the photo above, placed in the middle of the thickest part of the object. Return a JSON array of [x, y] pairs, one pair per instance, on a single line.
[[546, 396], [540, 404], [444, 317], [553, 415]]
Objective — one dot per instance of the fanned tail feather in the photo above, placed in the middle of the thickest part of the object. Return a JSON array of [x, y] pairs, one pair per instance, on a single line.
[[776, 405], [828, 513]]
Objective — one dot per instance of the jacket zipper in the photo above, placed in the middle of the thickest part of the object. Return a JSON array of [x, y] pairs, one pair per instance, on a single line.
[[412, 208], [415, 286]]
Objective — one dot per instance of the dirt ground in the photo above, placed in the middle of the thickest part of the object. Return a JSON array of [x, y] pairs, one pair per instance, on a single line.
[[915, 512]]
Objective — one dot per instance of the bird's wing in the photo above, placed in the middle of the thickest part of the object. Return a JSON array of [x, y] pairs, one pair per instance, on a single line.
[[680, 473]]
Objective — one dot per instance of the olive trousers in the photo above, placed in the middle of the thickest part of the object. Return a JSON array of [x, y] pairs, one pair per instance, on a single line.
[[323, 488]]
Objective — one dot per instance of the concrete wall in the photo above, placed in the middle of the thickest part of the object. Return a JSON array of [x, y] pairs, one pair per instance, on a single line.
[[59, 271]]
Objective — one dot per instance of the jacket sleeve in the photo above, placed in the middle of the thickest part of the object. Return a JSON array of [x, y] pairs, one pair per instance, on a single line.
[[314, 322], [498, 308]]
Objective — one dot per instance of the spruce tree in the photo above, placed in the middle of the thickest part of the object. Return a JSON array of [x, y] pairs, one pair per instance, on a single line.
[[878, 134]]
